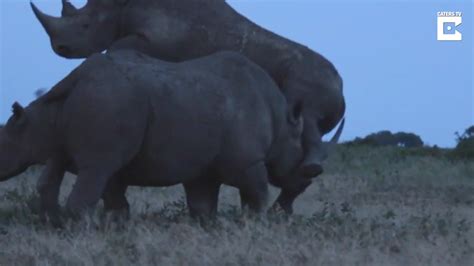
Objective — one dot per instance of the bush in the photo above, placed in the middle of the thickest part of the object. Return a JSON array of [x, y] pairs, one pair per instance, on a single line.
[[387, 138], [465, 146]]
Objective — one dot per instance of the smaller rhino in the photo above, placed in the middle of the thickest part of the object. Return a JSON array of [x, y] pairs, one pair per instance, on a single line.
[[125, 119]]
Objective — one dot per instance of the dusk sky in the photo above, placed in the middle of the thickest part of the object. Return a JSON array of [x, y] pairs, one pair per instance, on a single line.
[[397, 75]]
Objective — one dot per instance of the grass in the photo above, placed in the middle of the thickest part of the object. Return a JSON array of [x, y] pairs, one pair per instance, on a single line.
[[373, 206]]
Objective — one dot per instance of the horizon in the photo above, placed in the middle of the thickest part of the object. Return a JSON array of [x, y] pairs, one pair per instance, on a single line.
[[397, 76]]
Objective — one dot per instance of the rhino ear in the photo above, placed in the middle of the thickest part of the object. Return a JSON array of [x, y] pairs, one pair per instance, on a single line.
[[295, 118], [17, 109], [296, 113]]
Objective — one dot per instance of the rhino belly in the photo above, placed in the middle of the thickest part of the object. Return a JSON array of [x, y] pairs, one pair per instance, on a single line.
[[159, 174], [170, 158]]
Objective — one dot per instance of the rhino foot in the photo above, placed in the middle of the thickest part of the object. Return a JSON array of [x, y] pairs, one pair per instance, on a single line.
[[254, 188], [53, 218], [280, 210], [202, 198]]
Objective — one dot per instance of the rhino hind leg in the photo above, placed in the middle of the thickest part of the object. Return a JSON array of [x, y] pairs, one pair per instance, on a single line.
[[253, 188], [115, 203], [287, 197], [114, 196], [48, 188], [202, 197]]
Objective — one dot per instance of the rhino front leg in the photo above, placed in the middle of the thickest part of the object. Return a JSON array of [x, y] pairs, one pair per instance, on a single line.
[[114, 199], [88, 189], [253, 187], [202, 197], [48, 188]]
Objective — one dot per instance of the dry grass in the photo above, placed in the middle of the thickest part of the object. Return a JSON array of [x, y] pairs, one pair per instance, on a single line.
[[374, 206]]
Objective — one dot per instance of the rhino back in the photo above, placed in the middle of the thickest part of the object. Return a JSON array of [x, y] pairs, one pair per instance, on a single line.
[[249, 83], [223, 106]]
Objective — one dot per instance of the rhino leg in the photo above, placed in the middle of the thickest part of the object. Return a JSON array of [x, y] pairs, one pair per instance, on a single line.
[[48, 188], [114, 196], [88, 189], [253, 187], [115, 202], [202, 197]]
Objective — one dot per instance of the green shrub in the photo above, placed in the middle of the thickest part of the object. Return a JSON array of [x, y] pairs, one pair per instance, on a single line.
[[387, 138], [465, 148]]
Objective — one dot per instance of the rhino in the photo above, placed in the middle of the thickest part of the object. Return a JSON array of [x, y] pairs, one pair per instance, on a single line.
[[125, 119], [176, 31]]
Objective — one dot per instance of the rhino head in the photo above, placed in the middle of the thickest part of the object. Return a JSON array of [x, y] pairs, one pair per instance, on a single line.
[[298, 180], [79, 33], [24, 141], [289, 147]]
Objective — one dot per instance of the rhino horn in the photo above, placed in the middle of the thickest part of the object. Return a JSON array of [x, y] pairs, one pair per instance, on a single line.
[[335, 138], [331, 145], [48, 22], [68, 9], [322, 153]]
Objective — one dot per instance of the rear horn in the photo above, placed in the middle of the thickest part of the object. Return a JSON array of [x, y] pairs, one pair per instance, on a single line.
[[68, 9]]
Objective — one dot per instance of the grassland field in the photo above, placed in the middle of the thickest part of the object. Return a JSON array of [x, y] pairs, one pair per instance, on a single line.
[[372, 206]]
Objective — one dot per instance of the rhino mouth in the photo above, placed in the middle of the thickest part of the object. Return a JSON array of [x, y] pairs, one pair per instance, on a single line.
[[63, 50], [68, 52]]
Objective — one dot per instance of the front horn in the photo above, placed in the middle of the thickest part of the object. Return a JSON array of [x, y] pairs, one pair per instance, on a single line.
[[48, 22], [330, 146]]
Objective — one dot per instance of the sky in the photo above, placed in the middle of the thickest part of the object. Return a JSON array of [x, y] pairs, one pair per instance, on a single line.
[[397, 75]]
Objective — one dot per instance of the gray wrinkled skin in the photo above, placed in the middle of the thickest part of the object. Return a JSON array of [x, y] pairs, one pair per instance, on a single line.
[[125, 119], [178, 30]]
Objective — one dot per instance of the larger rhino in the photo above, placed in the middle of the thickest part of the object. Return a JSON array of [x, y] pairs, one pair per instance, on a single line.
[[125, 119], [178, 30]]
